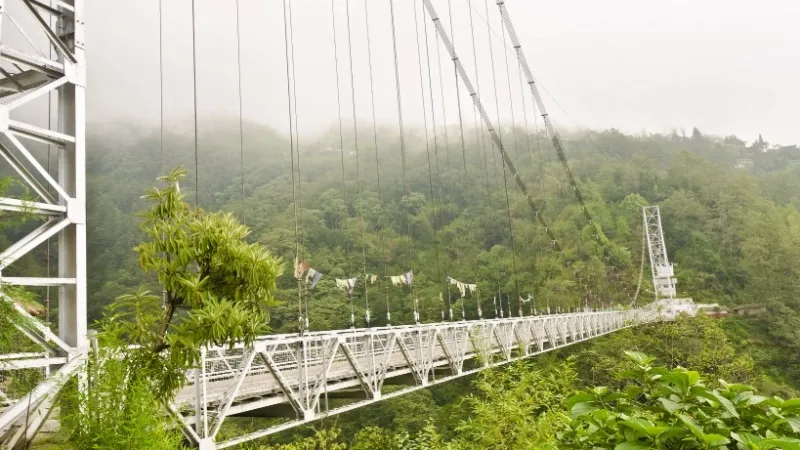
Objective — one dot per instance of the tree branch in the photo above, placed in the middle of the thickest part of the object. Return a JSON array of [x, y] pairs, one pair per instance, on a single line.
[[160, 344]]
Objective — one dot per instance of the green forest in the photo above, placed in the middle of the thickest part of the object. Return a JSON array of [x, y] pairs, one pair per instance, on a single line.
[[450, 209], [731, 232]]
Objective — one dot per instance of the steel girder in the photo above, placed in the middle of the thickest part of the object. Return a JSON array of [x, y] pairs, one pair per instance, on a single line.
[[28, 76], [300, 371]]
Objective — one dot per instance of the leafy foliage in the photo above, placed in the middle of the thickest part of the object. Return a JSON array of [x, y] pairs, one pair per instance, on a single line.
[[217, 288], [735, 235], [676, 409], [701, 342], [515, 407], [217, 291], [119, 410]]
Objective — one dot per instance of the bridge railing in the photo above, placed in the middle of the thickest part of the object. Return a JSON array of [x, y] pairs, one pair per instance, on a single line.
[[293, 374]]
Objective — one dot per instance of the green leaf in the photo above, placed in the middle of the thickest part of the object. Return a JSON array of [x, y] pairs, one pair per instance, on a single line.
[[794, 423], [729, 408], [746, 438], [639, 425], [628, 445], [692, 377], [715, 440], [756, 399], [781, 443], [633, 391], [583, 408], [669, 405], [692, 425], [639, 358], [670, 433], [791, 404], [578, 398]]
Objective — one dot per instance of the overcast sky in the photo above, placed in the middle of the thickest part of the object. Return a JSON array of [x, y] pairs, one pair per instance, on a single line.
[[726, 66]]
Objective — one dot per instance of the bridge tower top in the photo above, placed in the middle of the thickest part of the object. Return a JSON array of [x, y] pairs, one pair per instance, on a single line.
[[664, 280]]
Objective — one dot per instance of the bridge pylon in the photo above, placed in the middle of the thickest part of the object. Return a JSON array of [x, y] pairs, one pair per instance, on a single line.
[[663, 272], [31, 74], [664, 280]]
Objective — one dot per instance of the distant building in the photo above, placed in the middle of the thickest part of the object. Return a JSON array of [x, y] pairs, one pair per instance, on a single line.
[[712, 310], [752, 309], [744, 163]]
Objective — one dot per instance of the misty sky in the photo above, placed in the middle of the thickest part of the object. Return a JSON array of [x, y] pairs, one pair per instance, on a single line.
[[726, 66]]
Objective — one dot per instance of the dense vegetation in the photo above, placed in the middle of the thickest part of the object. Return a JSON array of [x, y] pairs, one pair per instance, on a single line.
[[733, 233]]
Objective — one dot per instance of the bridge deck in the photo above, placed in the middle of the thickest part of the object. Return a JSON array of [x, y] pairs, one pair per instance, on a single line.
[[291, 373]]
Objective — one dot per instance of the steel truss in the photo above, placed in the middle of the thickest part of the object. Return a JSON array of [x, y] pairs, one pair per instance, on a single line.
[[295, 374], [662, 270], [27, 75]]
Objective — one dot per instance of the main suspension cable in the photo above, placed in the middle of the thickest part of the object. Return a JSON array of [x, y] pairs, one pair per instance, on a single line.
[[341, 145], [300, 319], [241, 108], [341, 135], [488, 123], [463, 150], [427, 141], [539, 147], [505, 182], [161, 128], [436, 159], [358, 167], [506, 22], [641, 268], [160, 86], [302, 245], [511, 101], [381, 233], [525, 118], [194, 97], [402, 145], [478, 129], [444, 108]]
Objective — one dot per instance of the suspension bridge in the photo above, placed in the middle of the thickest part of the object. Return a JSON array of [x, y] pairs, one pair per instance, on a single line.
[[293, 377]]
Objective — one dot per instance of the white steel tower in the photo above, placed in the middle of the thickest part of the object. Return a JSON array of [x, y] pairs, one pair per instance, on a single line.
[[663, 272], [31, 73]]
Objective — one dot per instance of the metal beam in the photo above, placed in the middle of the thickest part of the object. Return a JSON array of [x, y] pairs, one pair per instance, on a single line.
[[62, 48], [265, 392], [16, 205], [37, 281], [26, 176], [52, 69], [31, 363], [31, 241], [47, 387], [40, 134]]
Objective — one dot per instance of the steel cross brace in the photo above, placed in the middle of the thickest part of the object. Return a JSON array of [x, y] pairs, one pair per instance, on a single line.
[[366, 358]]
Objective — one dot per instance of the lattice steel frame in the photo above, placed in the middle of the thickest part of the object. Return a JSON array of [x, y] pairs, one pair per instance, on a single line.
[[662, 270], [28, 76], [300, 370]]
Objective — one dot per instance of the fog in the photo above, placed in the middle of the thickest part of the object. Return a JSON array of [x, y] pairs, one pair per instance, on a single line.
[[724, 66]]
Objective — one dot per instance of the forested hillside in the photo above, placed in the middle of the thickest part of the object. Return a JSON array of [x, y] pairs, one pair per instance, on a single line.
[[733, 234]]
